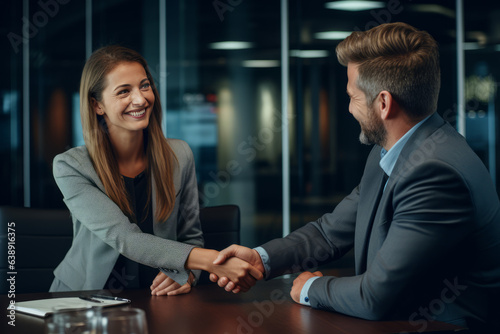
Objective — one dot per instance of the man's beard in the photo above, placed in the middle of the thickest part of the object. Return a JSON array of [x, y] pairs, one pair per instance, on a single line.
[[373, 131]]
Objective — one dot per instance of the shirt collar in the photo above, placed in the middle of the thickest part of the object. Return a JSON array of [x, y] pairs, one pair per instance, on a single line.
[[388, 158]]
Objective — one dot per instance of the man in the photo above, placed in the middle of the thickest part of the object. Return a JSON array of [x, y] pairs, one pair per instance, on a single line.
[[427, 238]]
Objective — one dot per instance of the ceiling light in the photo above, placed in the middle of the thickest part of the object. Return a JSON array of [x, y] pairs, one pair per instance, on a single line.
[[436, 9], [261, 63], [309, 53], [333, 35], [354, 6], [230, 45]]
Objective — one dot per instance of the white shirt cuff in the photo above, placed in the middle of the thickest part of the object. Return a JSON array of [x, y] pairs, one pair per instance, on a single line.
[[265, 260], [304, 294]]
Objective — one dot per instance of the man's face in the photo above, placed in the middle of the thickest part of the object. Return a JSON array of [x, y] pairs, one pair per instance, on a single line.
[[372, 127]]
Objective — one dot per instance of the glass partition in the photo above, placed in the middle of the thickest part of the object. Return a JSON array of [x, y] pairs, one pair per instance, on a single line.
[[482, 75], [11, 86], [223, 93]]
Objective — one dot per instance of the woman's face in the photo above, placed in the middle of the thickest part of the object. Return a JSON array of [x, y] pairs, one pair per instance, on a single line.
[[127, 99]]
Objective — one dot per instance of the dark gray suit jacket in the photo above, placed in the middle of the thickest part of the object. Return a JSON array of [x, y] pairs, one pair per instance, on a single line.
[[430, 249], [101, 231]]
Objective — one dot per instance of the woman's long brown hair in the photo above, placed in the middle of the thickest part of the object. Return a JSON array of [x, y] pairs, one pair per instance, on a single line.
[[161, 158]]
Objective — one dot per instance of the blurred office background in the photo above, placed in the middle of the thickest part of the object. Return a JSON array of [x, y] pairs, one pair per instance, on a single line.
[[218, 65]]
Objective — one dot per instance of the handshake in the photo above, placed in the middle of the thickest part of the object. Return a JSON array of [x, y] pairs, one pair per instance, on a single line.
[[245, 268], [238, 268]]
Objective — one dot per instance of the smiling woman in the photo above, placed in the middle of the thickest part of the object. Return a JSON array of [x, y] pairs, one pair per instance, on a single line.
[[132, 193], [127, 97], [127, 102], [114, 84]]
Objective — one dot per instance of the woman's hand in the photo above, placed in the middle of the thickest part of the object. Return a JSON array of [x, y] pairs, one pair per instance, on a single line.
[[164, 285]]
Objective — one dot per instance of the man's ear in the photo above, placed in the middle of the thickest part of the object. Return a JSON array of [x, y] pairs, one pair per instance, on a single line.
[[387, 105], [97, 107]]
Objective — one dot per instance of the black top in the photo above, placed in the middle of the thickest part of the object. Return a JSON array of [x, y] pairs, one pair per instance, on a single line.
[[126, 273]]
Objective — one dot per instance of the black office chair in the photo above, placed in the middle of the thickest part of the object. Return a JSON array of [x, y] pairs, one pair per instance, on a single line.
[[221, 228], [40, 239]]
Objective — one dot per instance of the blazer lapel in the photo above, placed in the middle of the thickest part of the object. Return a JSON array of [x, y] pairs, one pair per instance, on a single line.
[[153, 202], [371, 191]]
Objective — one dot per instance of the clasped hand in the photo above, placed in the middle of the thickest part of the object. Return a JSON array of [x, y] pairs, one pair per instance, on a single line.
[[164, 285]]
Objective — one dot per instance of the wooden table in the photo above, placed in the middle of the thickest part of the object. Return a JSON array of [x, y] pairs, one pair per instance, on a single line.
[[267, 308]]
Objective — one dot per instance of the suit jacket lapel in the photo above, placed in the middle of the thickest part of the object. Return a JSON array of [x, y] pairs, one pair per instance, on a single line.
[[371, 191]]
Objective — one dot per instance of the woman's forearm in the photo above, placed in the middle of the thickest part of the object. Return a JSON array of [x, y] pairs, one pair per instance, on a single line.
[[201, 258]]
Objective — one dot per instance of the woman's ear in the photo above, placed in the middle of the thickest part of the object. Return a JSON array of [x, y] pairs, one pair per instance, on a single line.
[[98, 109]]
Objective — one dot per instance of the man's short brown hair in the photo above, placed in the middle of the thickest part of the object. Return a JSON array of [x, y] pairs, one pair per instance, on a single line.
[[400, 59]]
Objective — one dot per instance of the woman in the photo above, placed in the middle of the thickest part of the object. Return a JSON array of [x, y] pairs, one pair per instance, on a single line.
[[132, 193]]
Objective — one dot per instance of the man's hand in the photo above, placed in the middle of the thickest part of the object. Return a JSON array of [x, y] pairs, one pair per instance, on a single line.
[[164, 285], [247, 254], [299, 282]]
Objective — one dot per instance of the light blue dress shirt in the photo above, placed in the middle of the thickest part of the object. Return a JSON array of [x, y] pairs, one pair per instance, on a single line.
[[388, 158], [387, 162]]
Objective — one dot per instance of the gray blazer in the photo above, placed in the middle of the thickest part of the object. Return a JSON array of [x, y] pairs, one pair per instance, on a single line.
[[101, 232], [428, 248]]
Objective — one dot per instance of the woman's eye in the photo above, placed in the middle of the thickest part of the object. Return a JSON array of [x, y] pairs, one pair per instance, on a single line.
[[146, 85], [123, 92]]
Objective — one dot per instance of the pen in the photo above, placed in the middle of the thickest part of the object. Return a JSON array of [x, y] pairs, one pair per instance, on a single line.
[[90, 299], [111, 298]]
